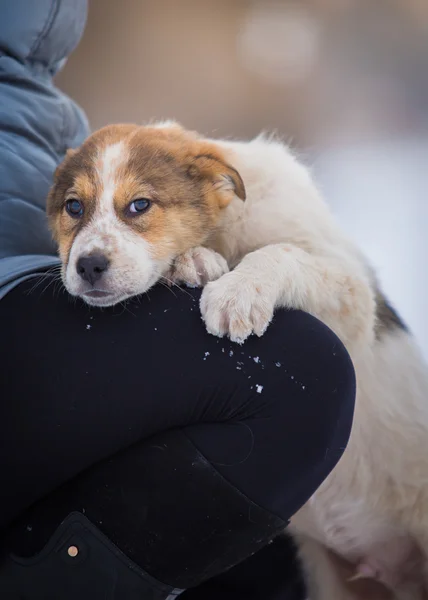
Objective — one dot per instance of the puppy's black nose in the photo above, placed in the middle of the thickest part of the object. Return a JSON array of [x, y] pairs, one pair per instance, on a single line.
[[90, 268]]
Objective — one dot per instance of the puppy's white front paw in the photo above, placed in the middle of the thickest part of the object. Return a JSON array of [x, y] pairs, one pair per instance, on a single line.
[[236, 306], [197, 266]]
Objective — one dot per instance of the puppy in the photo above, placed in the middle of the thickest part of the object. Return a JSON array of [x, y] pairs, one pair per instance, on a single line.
[[136, 204]]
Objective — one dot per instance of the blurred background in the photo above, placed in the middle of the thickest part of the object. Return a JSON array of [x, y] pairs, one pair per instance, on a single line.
[[345, 81]]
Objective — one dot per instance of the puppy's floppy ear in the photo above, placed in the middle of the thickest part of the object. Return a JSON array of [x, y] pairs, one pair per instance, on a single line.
[[225, 180], [70, 152]]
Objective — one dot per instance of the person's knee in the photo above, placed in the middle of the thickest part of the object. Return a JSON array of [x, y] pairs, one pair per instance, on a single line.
[[323, 367], [316, 412], [314, 353]]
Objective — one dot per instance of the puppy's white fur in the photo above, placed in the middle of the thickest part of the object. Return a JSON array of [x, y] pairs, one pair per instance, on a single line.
[[286, 249]]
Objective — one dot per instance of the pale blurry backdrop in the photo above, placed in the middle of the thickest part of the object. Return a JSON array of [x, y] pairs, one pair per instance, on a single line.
[[345, 81]]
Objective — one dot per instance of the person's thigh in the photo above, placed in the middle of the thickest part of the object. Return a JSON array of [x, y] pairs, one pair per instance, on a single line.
[[80, 384]]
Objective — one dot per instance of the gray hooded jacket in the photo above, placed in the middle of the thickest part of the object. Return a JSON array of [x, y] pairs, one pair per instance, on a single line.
[[37, 125]]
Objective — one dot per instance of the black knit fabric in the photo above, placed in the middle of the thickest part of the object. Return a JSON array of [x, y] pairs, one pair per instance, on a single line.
[[90, 398]]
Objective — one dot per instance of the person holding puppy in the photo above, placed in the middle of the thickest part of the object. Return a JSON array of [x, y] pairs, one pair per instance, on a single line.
[[140, 457]]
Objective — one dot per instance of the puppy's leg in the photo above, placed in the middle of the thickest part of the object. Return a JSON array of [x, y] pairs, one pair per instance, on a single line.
[[322, 580], [196, 267], [242, 302], [330, 578], [398, 563]]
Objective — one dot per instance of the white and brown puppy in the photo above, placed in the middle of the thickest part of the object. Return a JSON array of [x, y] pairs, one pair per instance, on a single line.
[[135, 204]]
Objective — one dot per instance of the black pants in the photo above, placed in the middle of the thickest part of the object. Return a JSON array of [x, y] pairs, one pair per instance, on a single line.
[[160, 433]]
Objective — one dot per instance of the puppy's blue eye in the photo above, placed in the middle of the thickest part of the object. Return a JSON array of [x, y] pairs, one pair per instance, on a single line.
[[74, 208], [140, 205]]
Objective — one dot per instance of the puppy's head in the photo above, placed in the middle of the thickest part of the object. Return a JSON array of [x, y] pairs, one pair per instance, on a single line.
[[129, 201]]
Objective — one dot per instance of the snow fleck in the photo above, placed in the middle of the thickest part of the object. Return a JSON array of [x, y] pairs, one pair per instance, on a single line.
[[231, 353], [207, 353], [259, 388], [303, 387], [91, 318], [166, 310], [156, 328], [88, 326], [238, 369], [222, 350], [256, 359], [292, 376], [29, 528], [277, 364]]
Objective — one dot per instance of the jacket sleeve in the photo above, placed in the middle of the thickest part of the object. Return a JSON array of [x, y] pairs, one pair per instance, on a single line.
[[37, 124]]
